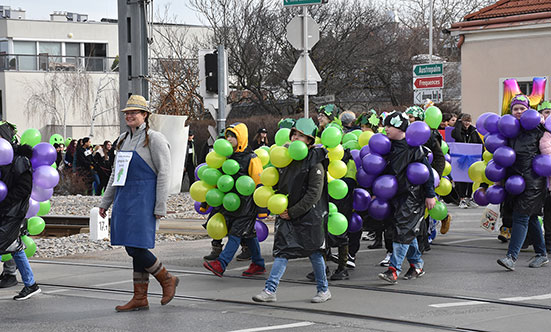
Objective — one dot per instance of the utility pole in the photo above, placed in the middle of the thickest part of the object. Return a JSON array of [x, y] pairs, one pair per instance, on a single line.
[[430, 29], [221, 117]]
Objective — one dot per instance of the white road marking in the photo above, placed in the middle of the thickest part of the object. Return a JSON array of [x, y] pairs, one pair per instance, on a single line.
[[275, 327], [468, 240], [512, 299]]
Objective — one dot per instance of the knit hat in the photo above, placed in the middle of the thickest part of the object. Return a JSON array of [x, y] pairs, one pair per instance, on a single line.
[[397, 120], [520, 99], [544, 105], [347, 117], [417, 112]]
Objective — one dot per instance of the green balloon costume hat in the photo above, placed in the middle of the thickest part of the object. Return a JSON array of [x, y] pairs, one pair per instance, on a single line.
[[306, 127]]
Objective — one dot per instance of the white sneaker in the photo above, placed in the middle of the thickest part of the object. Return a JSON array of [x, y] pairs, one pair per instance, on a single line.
[[386, 261], [471, 203], [265, 296], [322, 297], [463, 204]]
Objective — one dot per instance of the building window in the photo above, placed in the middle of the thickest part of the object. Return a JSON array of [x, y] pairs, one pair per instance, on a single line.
[[25, 55], [72, 52], [525, 87], [95, 54]]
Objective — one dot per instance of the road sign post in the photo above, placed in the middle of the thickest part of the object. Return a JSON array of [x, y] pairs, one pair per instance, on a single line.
[[302, 2], [428, 82]]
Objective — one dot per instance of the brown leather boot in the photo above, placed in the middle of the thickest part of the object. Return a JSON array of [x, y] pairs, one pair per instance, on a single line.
[[168, 281], [139, 300]]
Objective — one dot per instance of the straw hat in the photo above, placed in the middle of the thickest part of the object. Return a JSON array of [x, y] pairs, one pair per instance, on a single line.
[[136, 103]]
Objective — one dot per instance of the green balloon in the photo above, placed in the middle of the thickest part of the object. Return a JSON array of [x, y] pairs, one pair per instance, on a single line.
[[214, 197], [245, 185], [6, 257], [230, 167], [44, 208], [337, 189], [31, 137], [357, 132], [211, 176], [35, 225], [56, 138], [225, 183], [331, 137], [201, 170], [349, 137], [223, 147], [337, 223], [352, 145], [433, 117], [264, 147], [439, 212], [282, 136], [445, 148], [54, 165], [68, 141], [298, 150], [30, 249], [333, 208], [231, 202]]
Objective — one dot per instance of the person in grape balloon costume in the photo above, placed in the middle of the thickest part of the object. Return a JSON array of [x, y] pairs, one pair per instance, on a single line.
[[138, 190], [545, 109], [527, 205], [409, 202], [17, 177], [240, 223]]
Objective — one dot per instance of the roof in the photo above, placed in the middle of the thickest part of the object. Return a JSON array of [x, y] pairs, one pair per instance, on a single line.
[[504, 8]]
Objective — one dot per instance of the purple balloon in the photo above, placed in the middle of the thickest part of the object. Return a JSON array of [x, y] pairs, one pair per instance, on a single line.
[[430, 157], [45, 177], [356, 157], [436, 178], [197, 206], [364, 179], [197, 169], [504, 156], [480, 123], [509, 126], [515, 185], [361, 200], [548, 123], [40, 194], [448, 158], [34, 206], [417, 173], [385, 187], [6, 152], [491, 123], [355, 223], [364, 151], [418, 133], [530, 119], [3, 191], [541, 164], [379, 144], [494, 141], [496, 194], [43, 154], [373, 163], [261, 230], [479, 197], [494, 172], [379, 209]]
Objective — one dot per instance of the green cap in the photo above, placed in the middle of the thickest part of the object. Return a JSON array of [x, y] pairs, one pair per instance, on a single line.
[[286, 123], [544, 105], [417, 112], [330, 110]]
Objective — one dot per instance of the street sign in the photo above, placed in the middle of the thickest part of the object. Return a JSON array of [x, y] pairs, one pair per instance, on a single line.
[[419, 96], [297, 75], [298, 88], [428, 69], [295, 32], [301, 2], [428, 82]]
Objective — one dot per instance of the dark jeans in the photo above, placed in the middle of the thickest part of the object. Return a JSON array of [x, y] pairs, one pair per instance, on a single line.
[[519, 231], [354, 242], [464, 189], [547, 222], [141, 258]]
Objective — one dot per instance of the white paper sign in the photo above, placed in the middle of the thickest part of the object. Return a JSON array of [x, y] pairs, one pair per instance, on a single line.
[[122, 162]]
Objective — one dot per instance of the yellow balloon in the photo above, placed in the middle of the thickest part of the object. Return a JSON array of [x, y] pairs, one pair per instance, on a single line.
[[215, 160], [262, 195], [277, 203], [487, 156], [426, 213], [263, 155], [317, 140], [272, 147], [329, 177], [447, 169], [280, 157], [475, 186], [363, 140], [445, 187], [269, 176], [216, 227], [335, 153], [198, 190], [337, 169], [476, 171]]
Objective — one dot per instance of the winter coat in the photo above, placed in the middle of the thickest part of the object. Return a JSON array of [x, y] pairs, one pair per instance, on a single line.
[[305, 184], [409, 202], [527, 146], [18, 178], [468, 135]]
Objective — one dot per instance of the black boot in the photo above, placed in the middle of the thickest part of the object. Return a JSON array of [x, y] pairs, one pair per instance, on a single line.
[[216, 250], [312, 277], [245, 254], [378, 243], [341, 273]]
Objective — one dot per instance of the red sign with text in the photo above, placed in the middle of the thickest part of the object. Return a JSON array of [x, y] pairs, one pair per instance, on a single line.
[[428, 82]]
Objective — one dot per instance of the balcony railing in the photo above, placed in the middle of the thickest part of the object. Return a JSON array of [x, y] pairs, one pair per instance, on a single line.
[[47, 63]]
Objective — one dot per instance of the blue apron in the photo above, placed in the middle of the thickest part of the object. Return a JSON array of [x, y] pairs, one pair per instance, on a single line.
[[133, 222]]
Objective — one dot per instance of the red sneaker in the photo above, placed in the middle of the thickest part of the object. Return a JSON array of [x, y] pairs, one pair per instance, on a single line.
[[254, 269], [215, 267]]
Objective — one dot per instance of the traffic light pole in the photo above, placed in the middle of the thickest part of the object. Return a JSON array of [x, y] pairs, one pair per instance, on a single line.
[[221, 114]]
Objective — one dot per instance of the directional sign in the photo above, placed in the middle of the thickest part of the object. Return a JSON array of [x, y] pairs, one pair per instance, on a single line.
[[428, 82], [419, 96], [295, 32], [428, 69], [301, 2], [297, 75]]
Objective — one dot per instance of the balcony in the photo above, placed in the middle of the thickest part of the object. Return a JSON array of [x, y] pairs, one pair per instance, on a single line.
[[49, 63]]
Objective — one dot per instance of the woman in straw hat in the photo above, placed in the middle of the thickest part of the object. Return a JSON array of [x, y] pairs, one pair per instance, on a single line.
[[138, 189]]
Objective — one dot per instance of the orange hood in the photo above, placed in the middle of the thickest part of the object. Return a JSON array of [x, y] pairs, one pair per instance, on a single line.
[[242, 133]]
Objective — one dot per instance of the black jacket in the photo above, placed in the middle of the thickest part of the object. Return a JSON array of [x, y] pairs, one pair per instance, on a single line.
[[469, 135]]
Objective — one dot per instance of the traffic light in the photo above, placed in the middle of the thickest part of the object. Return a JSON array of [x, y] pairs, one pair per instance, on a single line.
[[211, 71]]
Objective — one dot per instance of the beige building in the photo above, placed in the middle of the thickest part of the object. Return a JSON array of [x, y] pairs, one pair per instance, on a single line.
[[507, 40]]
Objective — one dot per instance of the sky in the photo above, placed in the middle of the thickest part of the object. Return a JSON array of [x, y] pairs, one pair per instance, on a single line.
[[96, 9]]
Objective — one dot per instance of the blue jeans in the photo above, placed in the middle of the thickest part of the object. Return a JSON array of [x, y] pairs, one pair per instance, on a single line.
[[280, 264], [24, 268], [519, 231], [409, 251], [141, 258], [231, 247]]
